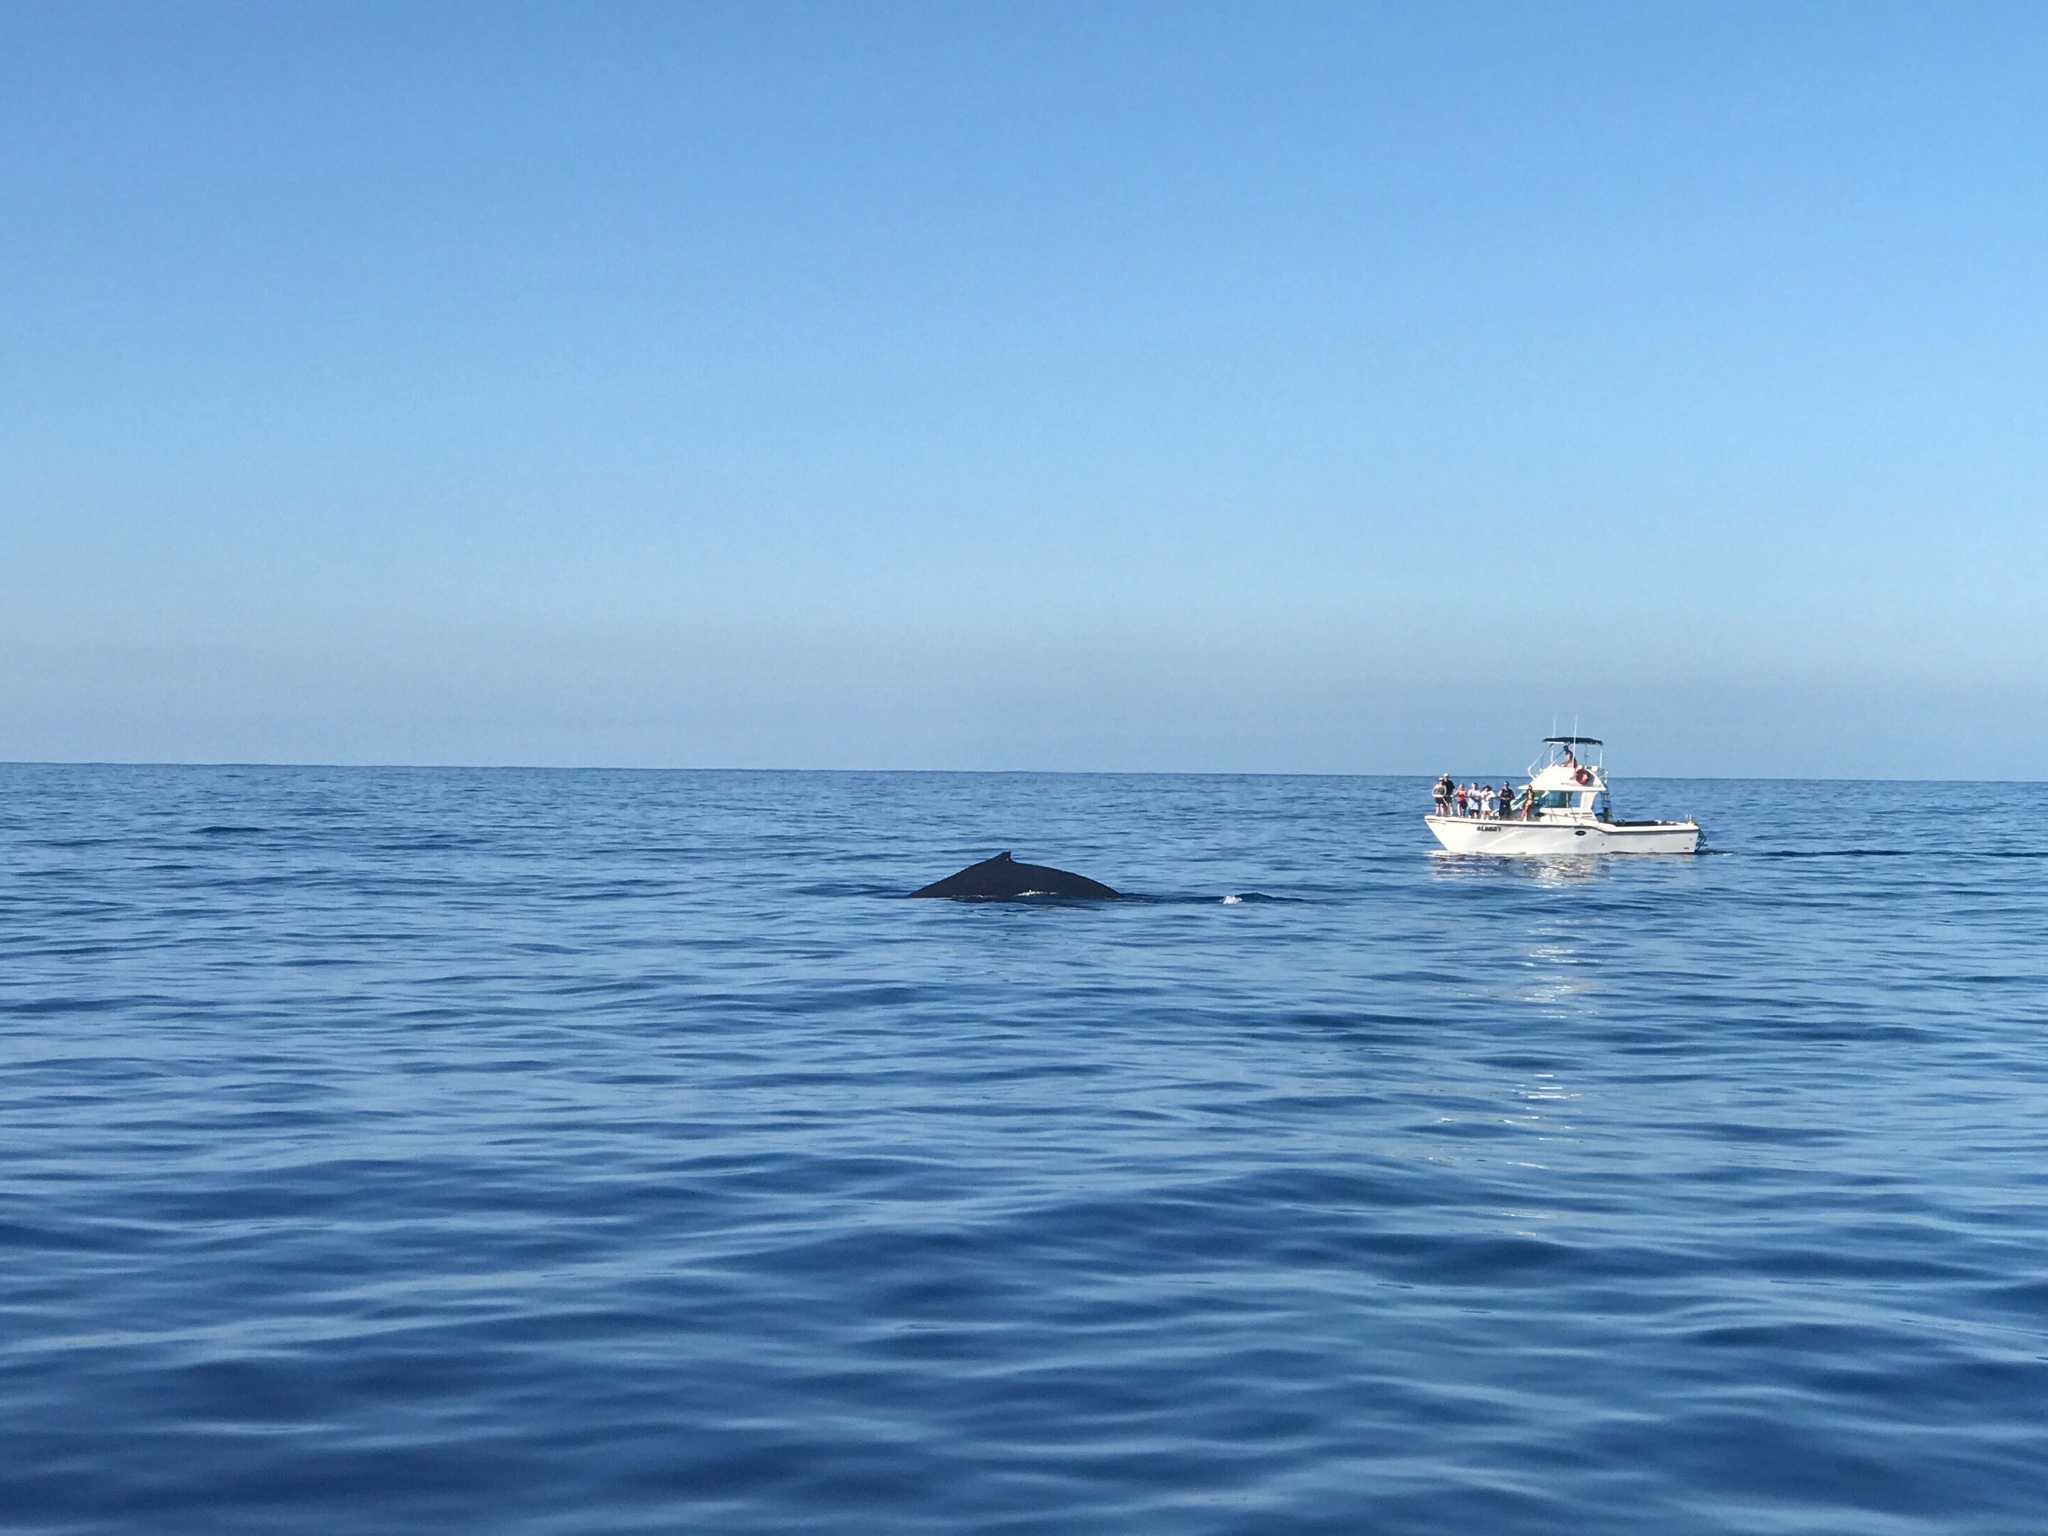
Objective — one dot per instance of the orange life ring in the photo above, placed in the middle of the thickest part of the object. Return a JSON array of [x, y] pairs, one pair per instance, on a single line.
[[1584, 775]]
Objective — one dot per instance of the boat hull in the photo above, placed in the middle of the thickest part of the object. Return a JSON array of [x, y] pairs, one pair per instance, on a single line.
[[1562, 839]]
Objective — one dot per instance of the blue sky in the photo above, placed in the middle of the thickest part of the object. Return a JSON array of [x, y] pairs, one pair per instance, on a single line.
[[1320, 388]]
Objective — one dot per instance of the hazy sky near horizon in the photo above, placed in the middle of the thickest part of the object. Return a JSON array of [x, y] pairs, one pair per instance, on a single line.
[[1261, 387]]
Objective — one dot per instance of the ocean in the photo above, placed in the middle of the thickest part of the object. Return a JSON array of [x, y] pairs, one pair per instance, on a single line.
[[564, 1152]]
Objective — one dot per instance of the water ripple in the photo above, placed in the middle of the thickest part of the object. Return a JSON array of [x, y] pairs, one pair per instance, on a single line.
[[556, 1152]]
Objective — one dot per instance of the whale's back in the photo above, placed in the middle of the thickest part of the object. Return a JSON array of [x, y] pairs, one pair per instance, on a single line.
[[1002, 878]]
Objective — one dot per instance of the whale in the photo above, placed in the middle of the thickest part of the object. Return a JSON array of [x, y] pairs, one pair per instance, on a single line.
[[1002, 878]]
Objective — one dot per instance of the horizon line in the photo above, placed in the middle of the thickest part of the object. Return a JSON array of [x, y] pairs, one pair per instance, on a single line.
[[1128, 773]]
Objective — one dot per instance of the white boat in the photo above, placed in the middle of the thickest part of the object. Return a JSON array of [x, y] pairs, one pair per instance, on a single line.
[[1568, 813]]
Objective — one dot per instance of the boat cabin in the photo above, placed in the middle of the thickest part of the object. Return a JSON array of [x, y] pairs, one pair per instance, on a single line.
[[1569, 781]]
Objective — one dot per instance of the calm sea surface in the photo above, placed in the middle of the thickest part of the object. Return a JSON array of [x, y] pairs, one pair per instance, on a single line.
[[392, 1151]]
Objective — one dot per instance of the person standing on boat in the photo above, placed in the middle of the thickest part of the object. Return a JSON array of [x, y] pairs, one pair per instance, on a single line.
[[1458, 795], [1443, 795]]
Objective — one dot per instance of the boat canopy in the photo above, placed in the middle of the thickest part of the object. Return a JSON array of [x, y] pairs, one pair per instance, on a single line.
[[1562, 766]]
